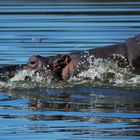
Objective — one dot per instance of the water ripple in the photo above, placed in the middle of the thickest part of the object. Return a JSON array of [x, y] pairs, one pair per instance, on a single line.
[[51, 27]]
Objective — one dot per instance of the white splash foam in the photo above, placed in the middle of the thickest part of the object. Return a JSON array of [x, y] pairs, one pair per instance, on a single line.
[[20, 76], [107, 71], [97, 68], [34, 76]]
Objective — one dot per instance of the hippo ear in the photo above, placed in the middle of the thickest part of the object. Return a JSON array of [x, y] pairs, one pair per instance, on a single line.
[[61, 61]]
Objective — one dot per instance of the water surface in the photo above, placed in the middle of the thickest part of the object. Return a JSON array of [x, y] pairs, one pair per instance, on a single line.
[[79, 112]]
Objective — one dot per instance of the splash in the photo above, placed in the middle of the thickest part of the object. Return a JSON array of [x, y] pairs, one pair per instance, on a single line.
[[27, 79], [31, 75], [107, 72], [101, 72]]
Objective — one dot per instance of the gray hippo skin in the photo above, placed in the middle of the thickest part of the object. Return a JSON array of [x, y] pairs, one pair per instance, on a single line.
[[62, 67]]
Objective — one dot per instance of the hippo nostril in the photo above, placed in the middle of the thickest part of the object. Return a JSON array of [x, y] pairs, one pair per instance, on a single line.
[[33, 62]]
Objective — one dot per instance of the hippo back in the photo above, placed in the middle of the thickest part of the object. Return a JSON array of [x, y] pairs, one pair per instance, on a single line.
[[133, 51]]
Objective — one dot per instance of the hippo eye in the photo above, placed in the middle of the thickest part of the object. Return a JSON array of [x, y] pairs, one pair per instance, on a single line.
[[48, 66]]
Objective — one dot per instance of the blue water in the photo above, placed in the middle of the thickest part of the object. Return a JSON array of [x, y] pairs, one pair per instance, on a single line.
[[81, 112]]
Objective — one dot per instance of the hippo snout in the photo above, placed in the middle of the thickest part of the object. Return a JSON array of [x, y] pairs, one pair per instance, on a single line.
[[37, 63], [34, 62]]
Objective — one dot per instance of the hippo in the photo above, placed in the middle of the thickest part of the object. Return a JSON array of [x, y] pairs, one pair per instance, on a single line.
[[62, 67]]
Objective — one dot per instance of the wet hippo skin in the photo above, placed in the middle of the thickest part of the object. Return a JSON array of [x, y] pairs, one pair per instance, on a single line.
[[62, 67]]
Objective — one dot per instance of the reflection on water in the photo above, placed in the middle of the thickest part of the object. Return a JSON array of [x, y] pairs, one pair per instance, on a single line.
[[80, 112], [51, 27]]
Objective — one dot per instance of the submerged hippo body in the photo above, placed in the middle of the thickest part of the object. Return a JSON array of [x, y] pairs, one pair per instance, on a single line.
[[62, 67]]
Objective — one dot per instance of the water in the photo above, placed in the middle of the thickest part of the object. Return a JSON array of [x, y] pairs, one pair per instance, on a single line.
[[83, 110]]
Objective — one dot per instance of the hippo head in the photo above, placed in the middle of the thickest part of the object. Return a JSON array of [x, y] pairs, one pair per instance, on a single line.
[[51, 66], [48, 66]]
